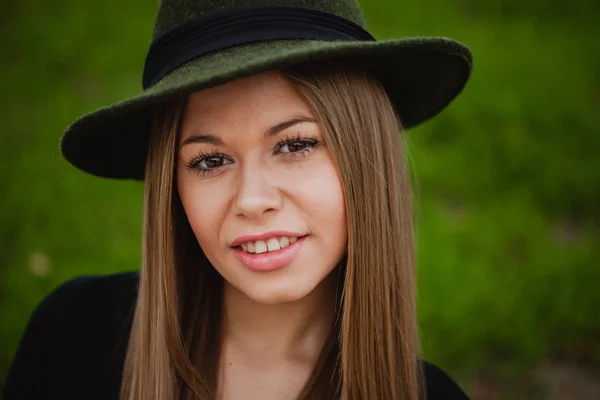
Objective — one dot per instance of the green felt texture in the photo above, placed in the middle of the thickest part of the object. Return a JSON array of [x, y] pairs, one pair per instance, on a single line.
[[175, 12], [112, 141], [421, 75]]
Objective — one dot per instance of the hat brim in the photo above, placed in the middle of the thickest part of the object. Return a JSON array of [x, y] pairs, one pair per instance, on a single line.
[[421, 76]]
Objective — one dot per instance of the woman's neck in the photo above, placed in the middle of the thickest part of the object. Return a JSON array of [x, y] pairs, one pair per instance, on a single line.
[[291, 330]]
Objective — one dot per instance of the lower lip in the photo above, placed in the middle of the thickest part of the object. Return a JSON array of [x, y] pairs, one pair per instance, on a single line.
[[270, 260]]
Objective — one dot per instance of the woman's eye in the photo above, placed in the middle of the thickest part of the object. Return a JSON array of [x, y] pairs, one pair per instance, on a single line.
[[212, 162], [208, 164], [293, 147]]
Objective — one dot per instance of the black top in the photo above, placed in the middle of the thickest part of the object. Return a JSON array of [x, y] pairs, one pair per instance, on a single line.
[[75, 343]]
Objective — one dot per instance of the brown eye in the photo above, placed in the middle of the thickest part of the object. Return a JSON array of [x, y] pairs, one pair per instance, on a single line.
[[206, 164], [211, 162], [292, 147]]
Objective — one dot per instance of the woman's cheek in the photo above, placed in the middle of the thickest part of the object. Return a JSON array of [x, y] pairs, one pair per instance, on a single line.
[[203, 203]]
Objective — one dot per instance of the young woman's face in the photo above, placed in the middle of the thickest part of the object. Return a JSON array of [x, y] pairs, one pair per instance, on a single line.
[[260, 189]]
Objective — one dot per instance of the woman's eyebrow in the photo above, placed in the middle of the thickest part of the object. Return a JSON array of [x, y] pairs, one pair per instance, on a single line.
[[212, 139], [287, 124]]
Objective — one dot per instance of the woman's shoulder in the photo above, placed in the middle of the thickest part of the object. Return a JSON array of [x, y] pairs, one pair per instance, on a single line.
[[92, 306], [92, 301], [88, 285], [75, 340], [89, 299]]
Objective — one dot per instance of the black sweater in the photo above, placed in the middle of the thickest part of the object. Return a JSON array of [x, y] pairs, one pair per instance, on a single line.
[[75, 343]]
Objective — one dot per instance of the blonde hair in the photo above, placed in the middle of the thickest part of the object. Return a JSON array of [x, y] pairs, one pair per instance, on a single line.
[[373, 352]]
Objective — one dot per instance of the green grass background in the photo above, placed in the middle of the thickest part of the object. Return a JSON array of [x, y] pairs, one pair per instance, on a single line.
[[508, 177]]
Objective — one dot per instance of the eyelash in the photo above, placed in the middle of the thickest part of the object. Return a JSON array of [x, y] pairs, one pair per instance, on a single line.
[[311, 143]]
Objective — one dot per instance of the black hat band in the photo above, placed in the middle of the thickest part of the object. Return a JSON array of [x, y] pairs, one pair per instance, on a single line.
[[233, 27]]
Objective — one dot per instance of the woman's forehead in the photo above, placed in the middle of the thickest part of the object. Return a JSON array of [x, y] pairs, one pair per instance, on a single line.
[[263, 99]]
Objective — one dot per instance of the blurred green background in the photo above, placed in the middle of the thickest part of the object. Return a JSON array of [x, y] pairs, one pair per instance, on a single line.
[[508, 180]]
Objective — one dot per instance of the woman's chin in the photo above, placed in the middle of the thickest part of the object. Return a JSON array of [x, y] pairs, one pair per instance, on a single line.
[[276, 292]]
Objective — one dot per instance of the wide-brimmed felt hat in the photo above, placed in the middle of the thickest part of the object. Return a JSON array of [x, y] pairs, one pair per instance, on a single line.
[[198, 44]]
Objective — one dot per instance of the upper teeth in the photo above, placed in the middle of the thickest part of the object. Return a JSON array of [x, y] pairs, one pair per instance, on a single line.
[[272, 244]]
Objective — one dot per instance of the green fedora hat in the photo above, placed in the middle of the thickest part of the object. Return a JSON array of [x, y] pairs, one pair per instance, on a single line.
[[197, 44]]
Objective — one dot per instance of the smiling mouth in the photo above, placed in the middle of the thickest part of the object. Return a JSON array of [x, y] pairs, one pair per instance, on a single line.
[[269, 245]]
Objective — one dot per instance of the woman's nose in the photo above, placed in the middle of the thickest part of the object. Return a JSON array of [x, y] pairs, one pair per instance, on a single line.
[[256, 195]]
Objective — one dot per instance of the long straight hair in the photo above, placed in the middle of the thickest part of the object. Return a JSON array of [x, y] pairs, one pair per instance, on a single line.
[[373, 351]]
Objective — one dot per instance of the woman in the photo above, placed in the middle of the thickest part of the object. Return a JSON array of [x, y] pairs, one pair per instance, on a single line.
[[277, 256]]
